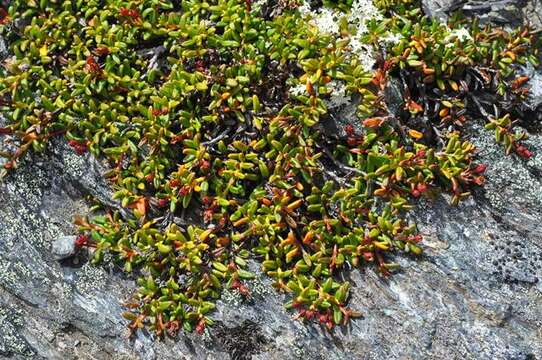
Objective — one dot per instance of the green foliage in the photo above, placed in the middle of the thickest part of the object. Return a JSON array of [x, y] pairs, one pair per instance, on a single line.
[[456, 61], [395, 5], [191, 103], [343, 5]]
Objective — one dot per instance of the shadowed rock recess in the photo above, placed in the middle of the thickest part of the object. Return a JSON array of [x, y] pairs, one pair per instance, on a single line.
[[474, 294]]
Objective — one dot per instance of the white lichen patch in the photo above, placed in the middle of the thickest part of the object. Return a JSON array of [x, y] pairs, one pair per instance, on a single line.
[[259, 288], [339, 96], [90, 278], [327, 21], [23, 219], [305, 9], [231, 297], [22, 269], [391, 38], [20, 219], [533, 142], [509, 176], [77, 165], [298, 90], [361, 12], [257, 5], [462, 34], [8, 277], [10, 341]]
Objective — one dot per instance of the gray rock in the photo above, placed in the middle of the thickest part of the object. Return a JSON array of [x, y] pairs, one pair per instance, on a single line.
[[441, 8], [511, 13], [535, 83], [63, 247]]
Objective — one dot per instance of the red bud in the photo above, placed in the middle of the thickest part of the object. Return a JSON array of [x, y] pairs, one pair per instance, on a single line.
[[422, 187], [349, 129], [200, 327], [479, 180], [480, 168]]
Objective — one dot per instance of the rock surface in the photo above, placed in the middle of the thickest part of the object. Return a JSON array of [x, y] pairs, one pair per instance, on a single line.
[[502, 12], [475, 294]]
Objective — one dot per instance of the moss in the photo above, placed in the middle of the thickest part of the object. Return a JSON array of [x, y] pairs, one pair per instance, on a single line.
[[214, 112]]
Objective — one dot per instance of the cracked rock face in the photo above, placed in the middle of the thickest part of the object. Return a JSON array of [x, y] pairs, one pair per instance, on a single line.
[[476, 293]]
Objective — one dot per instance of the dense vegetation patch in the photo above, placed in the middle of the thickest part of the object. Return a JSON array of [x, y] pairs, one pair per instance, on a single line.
[[217, 109]]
